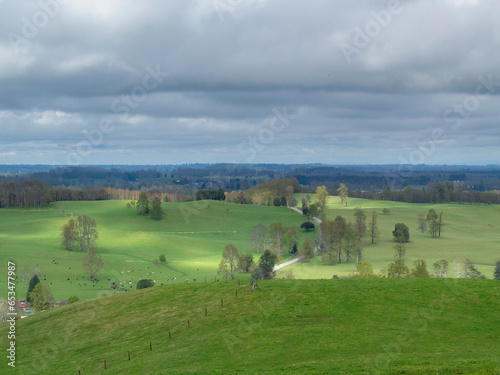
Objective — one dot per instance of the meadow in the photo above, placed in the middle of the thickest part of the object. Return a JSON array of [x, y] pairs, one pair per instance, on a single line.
[[470, 231], [191, 235], [379, 326]]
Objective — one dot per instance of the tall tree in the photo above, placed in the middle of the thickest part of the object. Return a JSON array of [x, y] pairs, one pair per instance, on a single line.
[[156, 211], [400, 247], [306, 252], [276, 234], [143, 204], [360, 222], [373, 227], [92, 263], [87, 232], [440, 224], [69, 234], [422, 223], [343, 194], [496, 272], [229, 262], [329, 241], [291, 238], [441, 268], [33, 283], [433, 222], [350, 241], [266, 264], [41, 297], [321, 197], [258, 236]]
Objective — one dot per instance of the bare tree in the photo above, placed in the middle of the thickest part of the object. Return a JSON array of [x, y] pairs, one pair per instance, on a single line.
[[229, 262], [92, 263], [258, 236], [373, 227]]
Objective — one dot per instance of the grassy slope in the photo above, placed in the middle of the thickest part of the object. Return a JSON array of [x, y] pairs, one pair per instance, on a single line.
[[381, 326], [470, 232], [192, 236]]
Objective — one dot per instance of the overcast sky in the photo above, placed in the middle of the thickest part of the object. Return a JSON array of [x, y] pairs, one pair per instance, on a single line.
[[286, 81]]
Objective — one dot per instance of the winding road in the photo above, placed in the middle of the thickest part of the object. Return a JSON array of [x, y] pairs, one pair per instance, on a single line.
[[280, 266]]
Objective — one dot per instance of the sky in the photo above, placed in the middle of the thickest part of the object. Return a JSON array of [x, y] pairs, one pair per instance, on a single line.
[[249, 81]]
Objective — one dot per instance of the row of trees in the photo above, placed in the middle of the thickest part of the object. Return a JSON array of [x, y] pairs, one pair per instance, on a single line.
[[442, 269], [339, 237], [440, 192]]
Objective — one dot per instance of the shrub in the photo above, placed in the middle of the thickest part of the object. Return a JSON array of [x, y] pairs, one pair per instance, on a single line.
[[73, 299], [145, 283], [162, 259]]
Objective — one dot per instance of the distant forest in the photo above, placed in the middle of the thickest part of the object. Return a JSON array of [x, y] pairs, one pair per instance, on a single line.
[[38, 185]]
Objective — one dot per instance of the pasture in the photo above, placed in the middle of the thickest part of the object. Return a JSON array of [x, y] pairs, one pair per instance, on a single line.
[[381, 326], [470, 231], [191, 235]]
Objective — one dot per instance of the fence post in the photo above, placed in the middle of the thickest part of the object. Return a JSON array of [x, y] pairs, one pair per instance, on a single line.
[[169, 335], [150, 346], [104, 365], [129, 356], [222, 302], [205, 312], [188, 324], [236, 293]]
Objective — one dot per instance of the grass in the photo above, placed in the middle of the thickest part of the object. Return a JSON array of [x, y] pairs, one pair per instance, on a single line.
[[191, 235], [469, 232], [380, 326]]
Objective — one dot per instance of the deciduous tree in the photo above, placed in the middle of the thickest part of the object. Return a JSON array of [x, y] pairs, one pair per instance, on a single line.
[[258, 236], [229, 262], [420, 269], [397, 269], [143, 204], [92, 263], [343, 194], [441, 268], [321, 197], [69, 234], [373, 228], [156, 210], [87, 233]]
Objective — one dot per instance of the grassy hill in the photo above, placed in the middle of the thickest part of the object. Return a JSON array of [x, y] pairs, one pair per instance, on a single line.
[[192, 236], [469, 232], [381, 326]]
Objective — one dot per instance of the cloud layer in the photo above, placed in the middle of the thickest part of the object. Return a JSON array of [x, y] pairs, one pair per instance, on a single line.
[[249, 81]]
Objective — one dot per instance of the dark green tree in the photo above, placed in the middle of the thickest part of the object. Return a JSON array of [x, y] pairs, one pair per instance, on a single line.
[[360, 222], [162, 259], [156, 211], [266, 264], [496, 272], [401, 233], [143, 204], [34, 280], [308, 226]]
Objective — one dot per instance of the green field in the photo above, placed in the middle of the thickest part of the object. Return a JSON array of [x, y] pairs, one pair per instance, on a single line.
[[470, 232], [381, 326], [191, 235]]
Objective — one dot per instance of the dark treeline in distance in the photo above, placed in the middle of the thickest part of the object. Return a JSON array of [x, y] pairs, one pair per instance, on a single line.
[[248, 184]]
